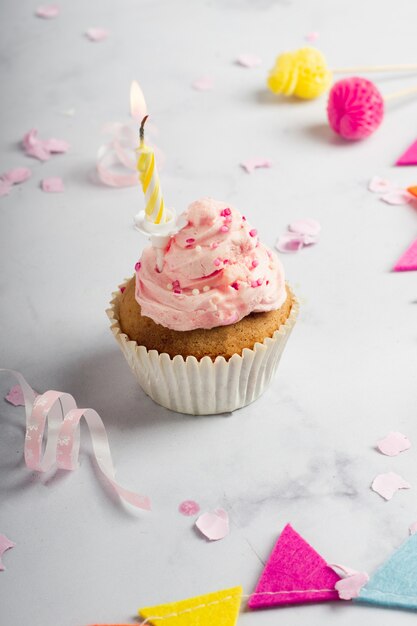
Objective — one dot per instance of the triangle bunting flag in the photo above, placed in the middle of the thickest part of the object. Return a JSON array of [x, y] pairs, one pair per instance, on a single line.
[[295, 573], [409, 157], [395, 582], [408, 261], [220, 608]]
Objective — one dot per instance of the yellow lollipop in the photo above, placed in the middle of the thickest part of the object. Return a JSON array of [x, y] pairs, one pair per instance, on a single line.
[[303, 73]]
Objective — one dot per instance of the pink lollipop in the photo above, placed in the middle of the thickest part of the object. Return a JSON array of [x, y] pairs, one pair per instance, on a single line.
[[355, 108]]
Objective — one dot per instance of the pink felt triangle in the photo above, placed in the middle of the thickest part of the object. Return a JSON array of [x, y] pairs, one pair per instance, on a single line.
[[295, 573], [408, 261], [409, 157]]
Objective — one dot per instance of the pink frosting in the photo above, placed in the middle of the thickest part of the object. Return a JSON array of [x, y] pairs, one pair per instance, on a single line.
[[215, 272]]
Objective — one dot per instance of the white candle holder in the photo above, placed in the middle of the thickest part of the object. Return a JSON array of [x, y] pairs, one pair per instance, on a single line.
[[159, 234]]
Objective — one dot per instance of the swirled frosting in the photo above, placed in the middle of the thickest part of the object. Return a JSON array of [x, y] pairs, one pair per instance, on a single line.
[[215, 272]]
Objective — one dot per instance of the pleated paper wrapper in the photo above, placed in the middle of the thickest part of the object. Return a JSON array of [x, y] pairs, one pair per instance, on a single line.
[[203, 387]]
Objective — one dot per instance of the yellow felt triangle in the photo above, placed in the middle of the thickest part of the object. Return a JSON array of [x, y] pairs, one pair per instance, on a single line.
[[220, 608]]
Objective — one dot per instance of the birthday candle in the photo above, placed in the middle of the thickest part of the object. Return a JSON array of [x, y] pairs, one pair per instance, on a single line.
[[148, 175]]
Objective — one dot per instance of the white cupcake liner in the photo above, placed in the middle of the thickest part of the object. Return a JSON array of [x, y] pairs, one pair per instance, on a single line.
[[203, 387]]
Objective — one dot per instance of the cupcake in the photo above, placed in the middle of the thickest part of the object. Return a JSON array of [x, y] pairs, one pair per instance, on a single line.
[[204, 334]]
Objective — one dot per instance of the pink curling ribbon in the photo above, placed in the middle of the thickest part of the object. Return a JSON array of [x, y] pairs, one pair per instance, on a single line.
[[116, 160], [60, 411]]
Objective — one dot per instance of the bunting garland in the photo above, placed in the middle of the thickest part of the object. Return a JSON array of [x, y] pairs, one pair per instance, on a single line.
[[294, 574], [394, 584], [220, 608]]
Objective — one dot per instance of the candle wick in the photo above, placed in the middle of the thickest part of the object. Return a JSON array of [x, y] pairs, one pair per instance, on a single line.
[[142, 129]]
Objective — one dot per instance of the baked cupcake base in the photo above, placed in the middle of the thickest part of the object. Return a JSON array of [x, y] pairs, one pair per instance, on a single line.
[[206, 385], [222, 341]]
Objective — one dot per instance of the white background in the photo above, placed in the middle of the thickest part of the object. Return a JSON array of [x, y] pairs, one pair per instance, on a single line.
[[304, 453]]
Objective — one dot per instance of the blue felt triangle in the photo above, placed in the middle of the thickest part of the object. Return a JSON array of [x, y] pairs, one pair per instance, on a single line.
[[395, 582]]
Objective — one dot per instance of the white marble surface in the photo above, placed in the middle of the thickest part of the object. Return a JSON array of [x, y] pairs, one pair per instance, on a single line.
[[304, 452]]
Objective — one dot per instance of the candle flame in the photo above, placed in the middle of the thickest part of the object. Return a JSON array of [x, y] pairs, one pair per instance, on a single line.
[[138, 108]]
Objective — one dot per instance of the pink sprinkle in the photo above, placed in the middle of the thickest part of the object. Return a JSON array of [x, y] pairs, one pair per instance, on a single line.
[[225, 212], [225, 261], [176, 284], [267, 282], [122, 289], [243, 218], [214, 245], [235, 285], [189, 507], [260, 281], [255, 263], [177, 291], [138, 266], [217, 261], [224, 229], [254, 283], [253, 232], [190, 240]]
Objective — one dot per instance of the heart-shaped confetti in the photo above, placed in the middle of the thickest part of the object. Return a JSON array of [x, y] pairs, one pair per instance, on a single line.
[[386, 485], [393, 444], [214, 525]]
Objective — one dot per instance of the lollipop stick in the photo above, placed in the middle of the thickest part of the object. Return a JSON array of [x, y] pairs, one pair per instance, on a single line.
[[401, 94], [405, 67]]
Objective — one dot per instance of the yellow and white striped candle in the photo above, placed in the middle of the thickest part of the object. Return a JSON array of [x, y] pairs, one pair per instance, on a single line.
[[148, 175]]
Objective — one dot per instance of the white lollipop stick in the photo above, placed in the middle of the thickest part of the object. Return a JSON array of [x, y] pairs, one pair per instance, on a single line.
[[405, 67]]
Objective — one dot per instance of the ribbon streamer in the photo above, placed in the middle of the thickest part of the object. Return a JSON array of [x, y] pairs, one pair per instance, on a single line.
[[59, 411]]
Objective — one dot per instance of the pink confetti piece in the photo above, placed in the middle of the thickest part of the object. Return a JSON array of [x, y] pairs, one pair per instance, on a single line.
[[214, 525], [5, 544], [397, 197], [386, 485], [307, 227], [42, 149], [248, 60], [205, 83], [252, 164], [380, 185], [393, 444], [47, 11], [15, 396], [408, 261], [55, 415], [5, 188], [290, 242], [413, 528], [189, 507], [409, 157], [17, 175], [349, 587], [52, 185], [312, 37], [97, 34]]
